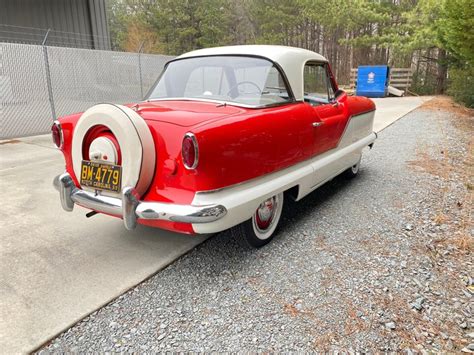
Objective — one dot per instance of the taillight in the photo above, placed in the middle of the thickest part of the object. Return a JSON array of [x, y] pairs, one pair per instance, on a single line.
[[190, 151], [57, 134]]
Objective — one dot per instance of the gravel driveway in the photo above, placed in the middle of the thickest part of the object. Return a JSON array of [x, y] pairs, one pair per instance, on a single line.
[[382, 262]]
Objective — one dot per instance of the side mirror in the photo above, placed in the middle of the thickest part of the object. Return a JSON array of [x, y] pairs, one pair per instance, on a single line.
[[339, 93], [340, 96]]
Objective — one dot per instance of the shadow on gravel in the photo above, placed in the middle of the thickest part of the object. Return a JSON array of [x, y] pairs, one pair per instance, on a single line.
[[226, 253], [295, 211]]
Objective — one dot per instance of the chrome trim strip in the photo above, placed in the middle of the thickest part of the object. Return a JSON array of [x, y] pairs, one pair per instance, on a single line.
[[130, 208], [223, 102], [180, 213]]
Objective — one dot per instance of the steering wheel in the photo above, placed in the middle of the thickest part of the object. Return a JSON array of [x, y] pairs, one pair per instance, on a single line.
[[242, 83]]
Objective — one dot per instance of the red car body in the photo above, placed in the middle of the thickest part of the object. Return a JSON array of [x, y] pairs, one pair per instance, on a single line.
[[238, 145]]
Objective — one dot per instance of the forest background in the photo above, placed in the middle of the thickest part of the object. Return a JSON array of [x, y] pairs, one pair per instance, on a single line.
[[433, 37]]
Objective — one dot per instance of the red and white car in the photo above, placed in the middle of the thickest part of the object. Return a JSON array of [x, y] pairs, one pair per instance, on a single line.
[[222, 139]]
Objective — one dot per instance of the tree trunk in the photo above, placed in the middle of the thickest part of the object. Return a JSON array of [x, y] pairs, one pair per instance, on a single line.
[[442, 72]]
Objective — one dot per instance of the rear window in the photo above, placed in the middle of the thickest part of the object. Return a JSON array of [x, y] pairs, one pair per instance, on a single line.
[[241, 80]]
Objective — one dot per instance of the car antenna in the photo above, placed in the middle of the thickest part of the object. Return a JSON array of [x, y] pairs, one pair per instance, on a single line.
[[223, 104]]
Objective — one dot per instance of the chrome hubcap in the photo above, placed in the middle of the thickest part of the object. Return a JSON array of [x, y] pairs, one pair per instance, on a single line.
[[102, 149], [265, 213], [266, 217]]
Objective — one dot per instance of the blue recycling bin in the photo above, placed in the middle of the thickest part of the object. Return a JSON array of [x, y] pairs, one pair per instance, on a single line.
[[372, 80]]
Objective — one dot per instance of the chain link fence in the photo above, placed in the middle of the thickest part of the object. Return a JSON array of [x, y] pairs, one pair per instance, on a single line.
[[40, 83]]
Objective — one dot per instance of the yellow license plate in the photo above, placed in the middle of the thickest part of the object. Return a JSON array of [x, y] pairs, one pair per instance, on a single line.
[[101, 176]]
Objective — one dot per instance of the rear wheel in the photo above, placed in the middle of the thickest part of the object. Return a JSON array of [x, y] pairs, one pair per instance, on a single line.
[[260, 229]]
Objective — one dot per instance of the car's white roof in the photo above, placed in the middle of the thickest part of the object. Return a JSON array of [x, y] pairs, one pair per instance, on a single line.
[[290, 59]]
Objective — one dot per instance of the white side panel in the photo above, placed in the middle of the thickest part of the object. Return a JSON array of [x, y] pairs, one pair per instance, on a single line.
[[243, 199], [334, 162], [359, 126]]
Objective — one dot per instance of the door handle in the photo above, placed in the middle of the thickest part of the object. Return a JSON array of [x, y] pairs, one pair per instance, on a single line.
[[317, 124]]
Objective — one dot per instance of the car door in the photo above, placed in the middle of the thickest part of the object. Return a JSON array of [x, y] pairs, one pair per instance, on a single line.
[[328, 114]]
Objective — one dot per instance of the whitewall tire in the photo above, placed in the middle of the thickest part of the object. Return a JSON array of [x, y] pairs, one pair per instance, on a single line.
[[133, 136], [353, 170], [261, 228]]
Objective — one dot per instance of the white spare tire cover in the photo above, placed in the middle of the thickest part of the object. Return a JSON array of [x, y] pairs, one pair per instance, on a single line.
[[133, 136]]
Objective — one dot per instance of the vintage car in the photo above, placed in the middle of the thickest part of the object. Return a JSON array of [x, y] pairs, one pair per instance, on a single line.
[[223, 138]]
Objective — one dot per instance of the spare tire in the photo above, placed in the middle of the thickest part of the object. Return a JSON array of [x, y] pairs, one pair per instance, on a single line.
[[134, 139]]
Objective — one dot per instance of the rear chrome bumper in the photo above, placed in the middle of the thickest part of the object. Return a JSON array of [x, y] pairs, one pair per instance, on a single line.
[[130, 208]]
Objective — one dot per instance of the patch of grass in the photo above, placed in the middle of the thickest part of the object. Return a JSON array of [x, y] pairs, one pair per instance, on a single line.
[[452, 165], [445, 103], [464, 242], [440, 218], [438, 167]]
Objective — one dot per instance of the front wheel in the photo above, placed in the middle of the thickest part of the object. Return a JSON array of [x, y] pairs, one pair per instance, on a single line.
[[353, 170], [260, 229]]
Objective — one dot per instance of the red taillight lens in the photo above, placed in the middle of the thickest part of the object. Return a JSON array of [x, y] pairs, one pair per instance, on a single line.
[[189, 151], [57, 134]]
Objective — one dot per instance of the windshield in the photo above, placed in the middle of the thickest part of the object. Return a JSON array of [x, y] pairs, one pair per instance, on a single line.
[[240, 80]]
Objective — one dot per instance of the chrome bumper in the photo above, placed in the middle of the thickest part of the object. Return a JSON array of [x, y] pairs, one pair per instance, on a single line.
[[130, 208]]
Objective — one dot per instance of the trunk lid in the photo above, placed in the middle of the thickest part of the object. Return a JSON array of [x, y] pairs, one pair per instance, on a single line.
[[185, 113]]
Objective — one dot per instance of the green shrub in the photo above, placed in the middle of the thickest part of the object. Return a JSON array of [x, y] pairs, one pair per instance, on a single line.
[[461, 85], [423, 84]]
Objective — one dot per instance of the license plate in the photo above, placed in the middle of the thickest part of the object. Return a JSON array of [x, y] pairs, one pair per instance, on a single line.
[[101, 176]]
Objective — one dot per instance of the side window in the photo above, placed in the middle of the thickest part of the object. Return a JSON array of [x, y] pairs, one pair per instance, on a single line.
[[317, 86]]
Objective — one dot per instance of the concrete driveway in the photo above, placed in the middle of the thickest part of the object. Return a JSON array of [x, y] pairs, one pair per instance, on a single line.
[[391, 109], [57, 267]]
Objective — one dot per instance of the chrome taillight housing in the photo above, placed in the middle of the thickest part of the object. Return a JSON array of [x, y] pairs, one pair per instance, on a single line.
[[57, 134], [190, 151]]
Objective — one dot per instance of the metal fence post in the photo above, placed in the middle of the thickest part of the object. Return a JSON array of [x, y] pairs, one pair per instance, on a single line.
[[48, 75], [140, 68]]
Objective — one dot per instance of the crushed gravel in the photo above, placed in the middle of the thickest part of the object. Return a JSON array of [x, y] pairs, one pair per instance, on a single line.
[[382, 262]]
